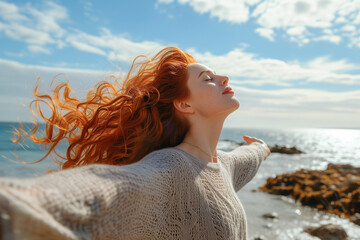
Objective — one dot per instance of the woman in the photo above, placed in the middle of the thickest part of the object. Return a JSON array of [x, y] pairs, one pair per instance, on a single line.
[[142, 160]]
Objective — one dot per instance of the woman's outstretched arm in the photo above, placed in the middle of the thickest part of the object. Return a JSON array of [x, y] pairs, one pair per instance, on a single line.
[[244, 161], [91, 202]]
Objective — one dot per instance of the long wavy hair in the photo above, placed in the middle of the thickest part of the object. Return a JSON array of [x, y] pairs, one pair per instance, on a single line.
[[118, 123]]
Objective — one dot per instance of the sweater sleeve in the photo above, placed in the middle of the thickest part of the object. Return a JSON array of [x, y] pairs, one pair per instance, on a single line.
[[90, 202], [244, 162]]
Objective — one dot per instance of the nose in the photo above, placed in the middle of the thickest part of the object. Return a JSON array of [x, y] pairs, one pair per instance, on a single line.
[[225, 80]]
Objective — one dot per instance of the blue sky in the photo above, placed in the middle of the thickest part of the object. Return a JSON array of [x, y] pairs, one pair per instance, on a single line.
[[291, 63]]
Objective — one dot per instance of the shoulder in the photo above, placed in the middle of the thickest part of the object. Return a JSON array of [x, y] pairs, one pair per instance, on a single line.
[[165, 158], [225, 158], [170, 152], [149, 166]]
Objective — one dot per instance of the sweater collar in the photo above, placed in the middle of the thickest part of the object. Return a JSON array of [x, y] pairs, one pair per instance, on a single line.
[[199, 162]]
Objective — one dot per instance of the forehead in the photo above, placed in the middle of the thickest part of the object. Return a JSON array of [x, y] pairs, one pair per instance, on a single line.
[[194, 69]]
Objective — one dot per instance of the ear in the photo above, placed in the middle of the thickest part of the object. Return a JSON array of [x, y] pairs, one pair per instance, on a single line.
[[182, 106]]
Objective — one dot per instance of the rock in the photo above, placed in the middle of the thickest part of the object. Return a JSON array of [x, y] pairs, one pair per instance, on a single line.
[[327, 232], [272, 215], [286, 150], [261, 237], [355, 219], [334, 190]]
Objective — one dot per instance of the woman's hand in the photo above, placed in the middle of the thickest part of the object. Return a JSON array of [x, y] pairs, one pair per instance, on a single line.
[[250, 140]]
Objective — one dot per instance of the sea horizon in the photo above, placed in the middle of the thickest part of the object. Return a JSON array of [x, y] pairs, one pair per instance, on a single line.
[[231, 127]]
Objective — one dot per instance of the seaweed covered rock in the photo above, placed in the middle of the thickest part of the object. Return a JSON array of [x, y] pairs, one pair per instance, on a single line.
[[328, 232], [355, 218], [334, 190]]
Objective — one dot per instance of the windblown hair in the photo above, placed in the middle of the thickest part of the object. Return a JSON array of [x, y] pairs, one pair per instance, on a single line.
[[118, 123]]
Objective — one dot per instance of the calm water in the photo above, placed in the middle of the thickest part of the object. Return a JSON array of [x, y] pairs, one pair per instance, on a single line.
[[321, 146]]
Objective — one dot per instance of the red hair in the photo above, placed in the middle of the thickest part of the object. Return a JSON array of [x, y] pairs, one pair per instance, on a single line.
[[117, 124]]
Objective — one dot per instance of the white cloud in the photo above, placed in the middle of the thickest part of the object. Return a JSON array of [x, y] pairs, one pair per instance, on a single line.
[[25, 72], [243, 67], [284, 14], [298, 30], [33, 24], [302, 97], [116, 48], [165, 1], [13, 54], [38, 49], [325, 64], [303, 19], [83, 46], [328, 38], [10, 12], [231, 10], [300, 20], [348, 28], [17, 81], [40, 24], [295, 108], [47, 21], [26, 34], [47, 30], [266, 33]]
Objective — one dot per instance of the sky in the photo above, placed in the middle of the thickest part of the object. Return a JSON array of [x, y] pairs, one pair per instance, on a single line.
[[292, 64]]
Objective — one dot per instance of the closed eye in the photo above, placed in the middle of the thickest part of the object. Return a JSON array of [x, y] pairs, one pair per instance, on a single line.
[[208, 79]]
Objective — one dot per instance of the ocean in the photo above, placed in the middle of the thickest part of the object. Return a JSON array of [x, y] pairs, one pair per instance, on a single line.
[[320, 147]]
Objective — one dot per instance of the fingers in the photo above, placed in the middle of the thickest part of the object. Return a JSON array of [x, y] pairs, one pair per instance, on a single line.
[[250, 140]]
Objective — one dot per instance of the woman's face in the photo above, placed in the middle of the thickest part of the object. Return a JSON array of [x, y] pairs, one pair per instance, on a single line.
[[210, 94]]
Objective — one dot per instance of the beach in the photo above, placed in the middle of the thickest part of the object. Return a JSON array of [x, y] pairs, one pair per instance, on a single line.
[[320, 147]]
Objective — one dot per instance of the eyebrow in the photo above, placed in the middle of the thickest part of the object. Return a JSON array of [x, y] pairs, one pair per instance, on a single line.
[[206, 71]]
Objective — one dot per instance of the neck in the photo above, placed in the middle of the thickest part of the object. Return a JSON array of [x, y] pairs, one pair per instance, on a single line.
[[205, 135]]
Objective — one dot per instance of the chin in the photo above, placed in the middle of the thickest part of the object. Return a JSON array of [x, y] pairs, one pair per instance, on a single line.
[[236, 103], [236, 107]]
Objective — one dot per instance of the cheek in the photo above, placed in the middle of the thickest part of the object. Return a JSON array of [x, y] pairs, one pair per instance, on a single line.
[[205, 96], [208, 102]]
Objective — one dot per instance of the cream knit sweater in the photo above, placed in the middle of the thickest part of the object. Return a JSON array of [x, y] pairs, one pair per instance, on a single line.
[[169, 194]]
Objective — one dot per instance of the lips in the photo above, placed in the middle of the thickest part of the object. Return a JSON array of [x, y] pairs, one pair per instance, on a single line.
[[228, 90]]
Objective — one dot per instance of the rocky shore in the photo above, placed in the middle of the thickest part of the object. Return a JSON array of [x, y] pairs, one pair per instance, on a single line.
[[334, 190]]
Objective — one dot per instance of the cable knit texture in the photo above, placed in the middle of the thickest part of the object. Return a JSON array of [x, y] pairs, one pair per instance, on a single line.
[[169, 194]]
